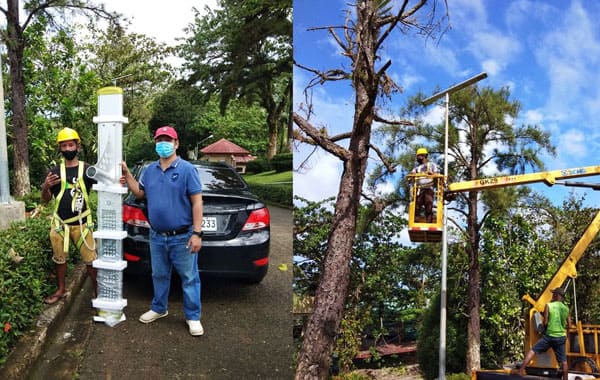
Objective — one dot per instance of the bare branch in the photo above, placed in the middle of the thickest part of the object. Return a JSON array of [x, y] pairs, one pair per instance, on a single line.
[[384, 68], [391, 25], [322, 77], [98, 11], [386, 83], [383, 158], [304, 163], [341, 136], [321, 139], [307, 140], [380, 119], [346, 49]]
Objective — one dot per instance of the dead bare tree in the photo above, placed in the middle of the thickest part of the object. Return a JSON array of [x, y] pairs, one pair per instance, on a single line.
[[360, 40], [15, 39]]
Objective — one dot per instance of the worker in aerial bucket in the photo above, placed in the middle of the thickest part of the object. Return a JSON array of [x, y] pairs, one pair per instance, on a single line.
[[425, 184]]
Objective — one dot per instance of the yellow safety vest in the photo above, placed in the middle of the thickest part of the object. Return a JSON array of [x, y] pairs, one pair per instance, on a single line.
[[62, 226]]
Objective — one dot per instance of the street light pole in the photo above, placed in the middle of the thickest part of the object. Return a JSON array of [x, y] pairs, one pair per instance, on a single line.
[[4, 181], [198, 143], [443, 294]]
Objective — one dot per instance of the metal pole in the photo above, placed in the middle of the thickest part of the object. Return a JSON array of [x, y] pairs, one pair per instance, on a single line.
[[442, 348], [443, 293], [4, 181]]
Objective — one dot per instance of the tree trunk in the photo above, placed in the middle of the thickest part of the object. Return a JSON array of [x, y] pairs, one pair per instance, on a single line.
[[273, 132], [315, 355], [473, 361], [15, 45], [290, 122]]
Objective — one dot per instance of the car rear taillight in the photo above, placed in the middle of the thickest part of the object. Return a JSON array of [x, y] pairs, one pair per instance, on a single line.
[[257, 219], [135, 217], [261, 262]]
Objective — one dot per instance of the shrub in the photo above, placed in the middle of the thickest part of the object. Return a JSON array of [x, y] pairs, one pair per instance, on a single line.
[[279, 194], [282, 162], [23, 284], [458, 376], [428, 341], [258, 166]]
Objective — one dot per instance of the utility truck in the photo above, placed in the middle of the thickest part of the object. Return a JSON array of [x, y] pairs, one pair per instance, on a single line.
[[583, 351]]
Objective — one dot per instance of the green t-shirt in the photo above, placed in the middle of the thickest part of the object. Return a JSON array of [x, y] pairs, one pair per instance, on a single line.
[[557, 319]]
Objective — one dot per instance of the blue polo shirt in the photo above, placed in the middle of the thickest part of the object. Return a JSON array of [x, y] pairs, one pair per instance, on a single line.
[[168, 194]]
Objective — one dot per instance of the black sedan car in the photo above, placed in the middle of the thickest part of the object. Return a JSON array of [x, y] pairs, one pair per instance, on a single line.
[[236, 227]]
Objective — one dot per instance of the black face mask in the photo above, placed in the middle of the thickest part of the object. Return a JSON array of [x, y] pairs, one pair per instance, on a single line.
[[420, 160], [68, 154]]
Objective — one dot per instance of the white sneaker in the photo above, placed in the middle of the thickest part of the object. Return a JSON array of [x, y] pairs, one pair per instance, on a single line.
[[151, 316], [195, 327]]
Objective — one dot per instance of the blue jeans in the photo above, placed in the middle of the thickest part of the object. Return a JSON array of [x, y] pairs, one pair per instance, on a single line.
[[166, 253]]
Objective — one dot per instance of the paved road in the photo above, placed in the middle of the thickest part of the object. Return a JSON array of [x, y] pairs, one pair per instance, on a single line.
[[248, 330]]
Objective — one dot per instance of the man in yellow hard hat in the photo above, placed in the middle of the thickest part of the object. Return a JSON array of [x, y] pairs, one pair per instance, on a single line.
[[72, 222], [425, 184]]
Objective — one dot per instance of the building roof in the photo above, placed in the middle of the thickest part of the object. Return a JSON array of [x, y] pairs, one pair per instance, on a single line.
[[224, 146]]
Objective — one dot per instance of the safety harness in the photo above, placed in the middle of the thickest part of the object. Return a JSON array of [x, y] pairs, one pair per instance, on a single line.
[[425, 182], [78, 191]]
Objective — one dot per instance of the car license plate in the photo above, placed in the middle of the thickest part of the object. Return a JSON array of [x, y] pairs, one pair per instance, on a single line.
[[209, 223]]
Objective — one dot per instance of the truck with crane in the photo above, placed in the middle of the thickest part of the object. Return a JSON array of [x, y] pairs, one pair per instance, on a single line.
[[583, 351]]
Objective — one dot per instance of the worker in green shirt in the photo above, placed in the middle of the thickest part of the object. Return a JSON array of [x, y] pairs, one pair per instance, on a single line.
[[556, 320]]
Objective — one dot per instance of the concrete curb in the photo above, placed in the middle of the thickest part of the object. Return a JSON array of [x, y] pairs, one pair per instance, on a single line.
[[31, 346]]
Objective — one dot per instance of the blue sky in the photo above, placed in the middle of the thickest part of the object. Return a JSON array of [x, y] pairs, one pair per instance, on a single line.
[[547, 52]]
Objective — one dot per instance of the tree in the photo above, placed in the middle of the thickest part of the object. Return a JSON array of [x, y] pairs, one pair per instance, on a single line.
[[15, 40], [363, 38], [389, 283], [60, 91], [244, 50], [64, 70], [135, 62], [195, 120], [482, 137], [482, 118]]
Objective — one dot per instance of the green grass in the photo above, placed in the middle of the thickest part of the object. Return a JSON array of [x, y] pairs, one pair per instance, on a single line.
[[268, 177], [272, 187]]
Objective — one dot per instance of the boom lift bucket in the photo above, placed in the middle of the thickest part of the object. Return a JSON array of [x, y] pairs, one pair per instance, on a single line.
[[419, 230]]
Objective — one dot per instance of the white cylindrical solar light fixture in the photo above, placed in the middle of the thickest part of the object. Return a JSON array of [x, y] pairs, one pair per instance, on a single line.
[[109, 232]]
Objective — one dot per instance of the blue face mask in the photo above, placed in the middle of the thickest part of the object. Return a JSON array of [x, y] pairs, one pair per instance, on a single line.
[[164, 149]]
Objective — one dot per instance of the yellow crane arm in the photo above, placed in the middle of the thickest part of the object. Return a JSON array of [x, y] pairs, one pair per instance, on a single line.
[[549, 178], [567, 268]]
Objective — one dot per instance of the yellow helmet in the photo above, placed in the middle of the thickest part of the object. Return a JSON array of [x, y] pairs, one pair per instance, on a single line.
[[421, 151], [67, 134]]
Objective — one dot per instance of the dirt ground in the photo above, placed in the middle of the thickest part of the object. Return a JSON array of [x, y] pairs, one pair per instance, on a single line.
[[408, 373]]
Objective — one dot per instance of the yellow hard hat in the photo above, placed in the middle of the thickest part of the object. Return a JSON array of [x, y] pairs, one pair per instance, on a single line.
[[67, 134], [421, 151]]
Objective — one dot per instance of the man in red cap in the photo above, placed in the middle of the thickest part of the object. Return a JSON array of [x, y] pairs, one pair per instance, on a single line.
[[173, 195]]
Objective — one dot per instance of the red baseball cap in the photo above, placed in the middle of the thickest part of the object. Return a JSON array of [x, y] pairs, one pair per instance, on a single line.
[[165, 131]]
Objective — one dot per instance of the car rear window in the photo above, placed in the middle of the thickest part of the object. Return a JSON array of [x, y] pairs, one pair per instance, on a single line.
[[220, 179]]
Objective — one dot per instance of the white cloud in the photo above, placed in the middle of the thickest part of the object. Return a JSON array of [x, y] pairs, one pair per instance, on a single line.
[[321, 178], [491, 67], [573, 142], [493, 46], [533, 117], [571, 55]]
